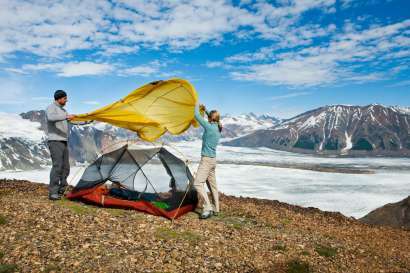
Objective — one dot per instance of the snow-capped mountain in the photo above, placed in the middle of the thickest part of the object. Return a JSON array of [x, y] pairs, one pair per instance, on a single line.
[[404, 110], [23, 144], [233, 126], [340, 129]]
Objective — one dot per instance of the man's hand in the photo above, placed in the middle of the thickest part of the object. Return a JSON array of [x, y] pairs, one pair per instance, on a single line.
[[71, 117]]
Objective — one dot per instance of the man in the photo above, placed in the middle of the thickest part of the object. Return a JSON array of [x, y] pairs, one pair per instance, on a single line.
[[57, 125]]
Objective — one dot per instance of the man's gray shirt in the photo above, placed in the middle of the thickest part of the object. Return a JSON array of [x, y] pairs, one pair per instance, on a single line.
[[57, 124]]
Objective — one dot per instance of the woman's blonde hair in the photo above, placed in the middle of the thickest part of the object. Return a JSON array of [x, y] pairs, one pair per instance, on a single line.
[[214, 116]]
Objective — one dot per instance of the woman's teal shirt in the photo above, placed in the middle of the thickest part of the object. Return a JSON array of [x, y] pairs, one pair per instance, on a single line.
[[211, 135]]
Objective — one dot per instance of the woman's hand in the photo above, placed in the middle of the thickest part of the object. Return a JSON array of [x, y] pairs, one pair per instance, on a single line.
[[201, 110]]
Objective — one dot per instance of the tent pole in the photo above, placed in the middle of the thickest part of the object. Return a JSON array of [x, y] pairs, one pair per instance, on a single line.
[[183, 199]]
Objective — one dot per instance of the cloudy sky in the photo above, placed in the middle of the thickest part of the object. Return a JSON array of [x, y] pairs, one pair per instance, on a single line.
[[280, 57]]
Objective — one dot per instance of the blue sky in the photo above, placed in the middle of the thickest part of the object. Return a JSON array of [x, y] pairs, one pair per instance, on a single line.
[[280, 57]]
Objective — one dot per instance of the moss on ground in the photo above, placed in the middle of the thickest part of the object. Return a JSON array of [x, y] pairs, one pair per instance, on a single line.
[[8, 268], [76, 207], [286, 221], [3, 220], [51, 268], [280, 247], [170, 234], [305, 253], [326, 251], [237, 222], [116, 212], [297, 266]]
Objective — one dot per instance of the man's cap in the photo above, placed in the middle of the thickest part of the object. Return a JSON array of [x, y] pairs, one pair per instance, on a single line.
[[59, 94]]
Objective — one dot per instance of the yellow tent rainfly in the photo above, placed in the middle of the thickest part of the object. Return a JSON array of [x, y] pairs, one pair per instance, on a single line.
[[152, 109]]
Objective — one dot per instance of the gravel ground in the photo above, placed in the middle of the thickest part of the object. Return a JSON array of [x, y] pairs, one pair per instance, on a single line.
[[250, 235]]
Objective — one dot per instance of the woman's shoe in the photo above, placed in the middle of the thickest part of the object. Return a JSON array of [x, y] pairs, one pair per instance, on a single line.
[[205, 215]]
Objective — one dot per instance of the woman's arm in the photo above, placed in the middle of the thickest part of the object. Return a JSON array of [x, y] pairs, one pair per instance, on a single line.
[[200, 119]]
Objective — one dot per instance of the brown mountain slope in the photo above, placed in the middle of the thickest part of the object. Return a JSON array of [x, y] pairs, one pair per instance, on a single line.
[[394, 215]]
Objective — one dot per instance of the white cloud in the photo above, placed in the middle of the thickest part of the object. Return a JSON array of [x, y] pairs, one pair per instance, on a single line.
[[14, 70], [399, 68], [109, 50], [141, 70], [262, 54], [41, 98], [70, 69], [301, 52], [288, 72], [347, 3], [50, 28], [278, 22], [84, 68], [145, 70], [11, 92], [344, 57], [290, 95], [294, 37], [366, 78], [55, 29], [91, 102], [400, 84], [214, 64]]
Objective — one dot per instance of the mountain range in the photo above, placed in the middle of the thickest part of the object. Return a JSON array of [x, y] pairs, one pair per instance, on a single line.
[[343, 130], [339, 129], [23, 139]]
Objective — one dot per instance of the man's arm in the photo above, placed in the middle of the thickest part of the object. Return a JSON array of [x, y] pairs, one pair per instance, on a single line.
[[53, 115]]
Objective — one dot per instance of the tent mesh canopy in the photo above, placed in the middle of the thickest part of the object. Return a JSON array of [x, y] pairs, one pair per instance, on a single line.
[[142, 174]]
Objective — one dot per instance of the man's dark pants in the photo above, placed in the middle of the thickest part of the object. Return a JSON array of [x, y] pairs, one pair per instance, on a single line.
[[61, 167]]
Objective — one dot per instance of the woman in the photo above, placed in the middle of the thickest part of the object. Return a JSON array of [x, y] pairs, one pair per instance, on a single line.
[[206, 168]]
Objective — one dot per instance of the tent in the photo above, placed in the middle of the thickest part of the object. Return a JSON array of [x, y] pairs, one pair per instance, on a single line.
[[151, 110], [148, 179]]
